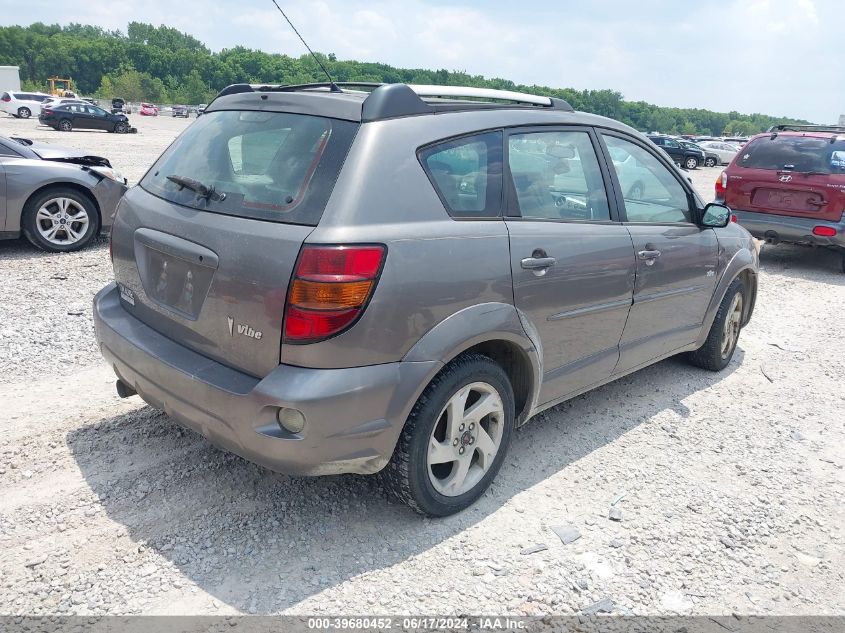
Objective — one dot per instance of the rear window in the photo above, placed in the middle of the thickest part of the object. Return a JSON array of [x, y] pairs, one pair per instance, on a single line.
[[263, 165], [794, 153]]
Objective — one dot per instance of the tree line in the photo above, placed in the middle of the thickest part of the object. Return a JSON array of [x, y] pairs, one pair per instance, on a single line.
[[163, 65]]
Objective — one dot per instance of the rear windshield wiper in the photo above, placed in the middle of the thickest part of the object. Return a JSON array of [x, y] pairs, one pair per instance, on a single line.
[[204, 191]]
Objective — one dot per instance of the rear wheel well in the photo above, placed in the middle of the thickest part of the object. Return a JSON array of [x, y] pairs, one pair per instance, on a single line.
[[82, 190], [749, 282], [510, 357]]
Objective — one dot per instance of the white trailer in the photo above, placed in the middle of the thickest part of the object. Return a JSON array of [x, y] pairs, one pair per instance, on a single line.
[[10, 78]]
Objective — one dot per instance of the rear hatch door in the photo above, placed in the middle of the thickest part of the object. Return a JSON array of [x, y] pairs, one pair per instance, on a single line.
[[205, 247], [795, 175]]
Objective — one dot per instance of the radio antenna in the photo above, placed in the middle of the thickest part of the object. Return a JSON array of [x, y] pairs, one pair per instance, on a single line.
[[332, 85]]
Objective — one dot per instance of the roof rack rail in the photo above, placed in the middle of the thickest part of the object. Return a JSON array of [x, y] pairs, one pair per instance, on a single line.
[[806, 128], [386, 101], [463, 92]]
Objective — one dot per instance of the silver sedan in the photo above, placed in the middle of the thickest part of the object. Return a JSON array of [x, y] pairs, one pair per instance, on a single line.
[[725, 151], [60, 199]]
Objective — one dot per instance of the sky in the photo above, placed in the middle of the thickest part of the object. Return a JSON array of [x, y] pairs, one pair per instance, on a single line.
[[778, 57]]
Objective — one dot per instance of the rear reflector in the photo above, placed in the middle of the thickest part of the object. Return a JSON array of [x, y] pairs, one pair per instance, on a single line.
[[824, 231], [330, 289]]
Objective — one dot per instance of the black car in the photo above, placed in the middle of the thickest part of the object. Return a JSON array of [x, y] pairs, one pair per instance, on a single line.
[[84, 116], [683, 154]]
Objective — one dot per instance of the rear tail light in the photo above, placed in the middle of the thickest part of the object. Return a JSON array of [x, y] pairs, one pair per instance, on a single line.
[[824, 231], [721, 186], [330, 289], [6, 98], [46, 110]]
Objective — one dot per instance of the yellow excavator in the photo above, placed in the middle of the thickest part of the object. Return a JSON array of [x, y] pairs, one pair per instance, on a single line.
[[60, 87]]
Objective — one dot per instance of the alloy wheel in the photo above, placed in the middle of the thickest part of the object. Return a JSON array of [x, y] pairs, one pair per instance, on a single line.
[[466, 439], [733, 323], [62, 221], [692, 163]]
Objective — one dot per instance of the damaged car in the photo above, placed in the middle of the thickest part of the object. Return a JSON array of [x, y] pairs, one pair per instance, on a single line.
[[84, 116], [59, 198]]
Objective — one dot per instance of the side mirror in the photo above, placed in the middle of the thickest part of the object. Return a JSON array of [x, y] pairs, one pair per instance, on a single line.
[[716, 216]]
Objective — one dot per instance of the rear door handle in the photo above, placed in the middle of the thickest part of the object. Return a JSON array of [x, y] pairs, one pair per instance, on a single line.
[[538, 263], [648, 256]]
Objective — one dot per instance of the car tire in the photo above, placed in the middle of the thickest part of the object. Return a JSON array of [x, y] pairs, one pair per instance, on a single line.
[[36, 224], [65, 126], [24, 113], [719, 348], [691, 162], [710, 162], [120, 127], [466, 469]]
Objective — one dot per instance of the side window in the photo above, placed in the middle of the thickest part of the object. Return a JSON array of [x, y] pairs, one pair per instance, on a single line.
[[467, 174], [670, 143], [556, 176], [650, 190], [5, 151]]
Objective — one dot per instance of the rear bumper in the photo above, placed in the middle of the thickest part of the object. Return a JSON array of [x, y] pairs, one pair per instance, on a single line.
[[784, 228], [353, 416]]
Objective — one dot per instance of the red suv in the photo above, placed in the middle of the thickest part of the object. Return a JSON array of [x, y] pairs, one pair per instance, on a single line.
[[788, 185]]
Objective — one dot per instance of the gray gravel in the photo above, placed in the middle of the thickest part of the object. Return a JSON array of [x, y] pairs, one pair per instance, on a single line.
[[730, 484]]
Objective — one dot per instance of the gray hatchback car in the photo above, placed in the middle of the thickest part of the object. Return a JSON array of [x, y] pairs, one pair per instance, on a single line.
[[391, 278]]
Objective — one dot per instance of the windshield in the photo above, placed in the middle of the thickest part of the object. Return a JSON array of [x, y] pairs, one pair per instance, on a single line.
[[264, 165], [795, 153]]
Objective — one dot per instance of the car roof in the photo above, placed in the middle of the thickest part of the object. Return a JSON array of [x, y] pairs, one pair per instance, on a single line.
[[375, 102]]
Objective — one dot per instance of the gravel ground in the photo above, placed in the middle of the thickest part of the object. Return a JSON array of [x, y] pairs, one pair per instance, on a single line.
[[729, 486]]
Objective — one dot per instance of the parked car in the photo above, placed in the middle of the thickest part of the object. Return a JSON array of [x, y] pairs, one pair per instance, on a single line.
[[119, 106], [60, 199], [179, 110], [201, 108], [148, 109], [54, 102], [724, 152], [737, 140], [788, 185], [689, 157], [84, 116], [711, 159], [275, 294], [22, 104]]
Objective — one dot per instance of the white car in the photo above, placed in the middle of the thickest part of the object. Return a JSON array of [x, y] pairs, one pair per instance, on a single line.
[[53, 102], [22, 104], [725, 151]]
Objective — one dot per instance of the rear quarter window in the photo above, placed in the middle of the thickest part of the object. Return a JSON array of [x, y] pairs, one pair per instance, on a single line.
[[794, 153], [467, 174], [268, 165]]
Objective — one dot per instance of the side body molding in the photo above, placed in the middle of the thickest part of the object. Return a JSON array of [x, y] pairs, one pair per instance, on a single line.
[[481, 323]]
